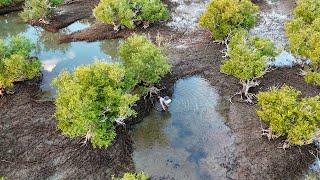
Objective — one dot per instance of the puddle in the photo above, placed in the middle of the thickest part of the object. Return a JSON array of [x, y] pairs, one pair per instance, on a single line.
[[56, 57], [191, 141], [186, 15]]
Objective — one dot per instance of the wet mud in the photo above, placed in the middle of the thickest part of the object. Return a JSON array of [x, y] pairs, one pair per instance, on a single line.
[[31, 146], [11, 8], [68, 13]]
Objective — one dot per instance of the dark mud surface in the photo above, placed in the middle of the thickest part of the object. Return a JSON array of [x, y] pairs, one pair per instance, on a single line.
[[101, 31], [32, 148], [11, 8], [68, 13]]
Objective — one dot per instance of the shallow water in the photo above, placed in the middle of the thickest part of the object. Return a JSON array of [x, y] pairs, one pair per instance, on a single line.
[[273, 16], [191, 141], [186, 14], [56, 57]]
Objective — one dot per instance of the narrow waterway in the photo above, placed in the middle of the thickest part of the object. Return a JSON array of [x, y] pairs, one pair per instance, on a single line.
[[191, 141], [54, 56]]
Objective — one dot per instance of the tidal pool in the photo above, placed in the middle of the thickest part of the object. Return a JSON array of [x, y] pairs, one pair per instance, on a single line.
[[54, 56], [191, 141]]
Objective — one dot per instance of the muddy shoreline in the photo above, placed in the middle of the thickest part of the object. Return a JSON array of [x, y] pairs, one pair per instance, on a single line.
[[38, 150], [11, 8]]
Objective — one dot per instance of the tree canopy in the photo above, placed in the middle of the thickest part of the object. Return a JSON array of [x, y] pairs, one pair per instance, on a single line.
[[144, 61], [248, 56], [224, 16], [128, 12], [15, 63], [304, 36], [89, 101], [93, 98], [288, 115]]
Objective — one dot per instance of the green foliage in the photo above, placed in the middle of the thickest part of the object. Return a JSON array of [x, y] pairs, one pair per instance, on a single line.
[[248, 56], [127, 12], [143, 60], [312, 78], [304, 34], [9, 2], [93, 97], [90, 99], [14, 62], [38, 9], [288, 115], [224, 16], [132, 176]]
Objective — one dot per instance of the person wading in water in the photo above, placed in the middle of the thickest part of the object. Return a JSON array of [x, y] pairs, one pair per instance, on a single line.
[[164, 102]]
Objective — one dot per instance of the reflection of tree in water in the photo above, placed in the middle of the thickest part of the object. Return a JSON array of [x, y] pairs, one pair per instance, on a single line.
[[50, 41], [110, 48], [151, 130], [11, 25]]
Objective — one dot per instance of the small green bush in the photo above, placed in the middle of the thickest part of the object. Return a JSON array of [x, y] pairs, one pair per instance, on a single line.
[[132, 176], [303, 33], [248, 59], [38, 9], [9, 2], [15, 64], [248, 56], [89, 101], [224, 16], [144, 61], [288, 115], [127, 12]]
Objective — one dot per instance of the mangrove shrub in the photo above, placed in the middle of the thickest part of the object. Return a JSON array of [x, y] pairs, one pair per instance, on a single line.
[[144, 61], [92, 99], [89, 101], [15, 64], [224, 16], [304, 36], [248, 59], [288, 115], [38, 9], [129, 12]]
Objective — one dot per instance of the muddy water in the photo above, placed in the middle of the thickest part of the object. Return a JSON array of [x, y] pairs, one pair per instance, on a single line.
[[56, 57], [191, 141]]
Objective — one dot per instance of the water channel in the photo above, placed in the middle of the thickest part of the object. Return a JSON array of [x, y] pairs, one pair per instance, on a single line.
[[191, 141], [56, 57]]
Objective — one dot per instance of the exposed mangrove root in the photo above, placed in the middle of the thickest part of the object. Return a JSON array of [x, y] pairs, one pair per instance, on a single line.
[[244, 93], [87, 138], [120, 121], [270, 136]]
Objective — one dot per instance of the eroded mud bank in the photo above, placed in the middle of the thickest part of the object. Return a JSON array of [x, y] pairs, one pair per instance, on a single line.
[[11, 8], [66, 14]]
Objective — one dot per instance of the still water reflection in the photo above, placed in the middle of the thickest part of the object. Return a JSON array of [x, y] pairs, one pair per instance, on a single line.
[[56, 57], [191, 141]]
